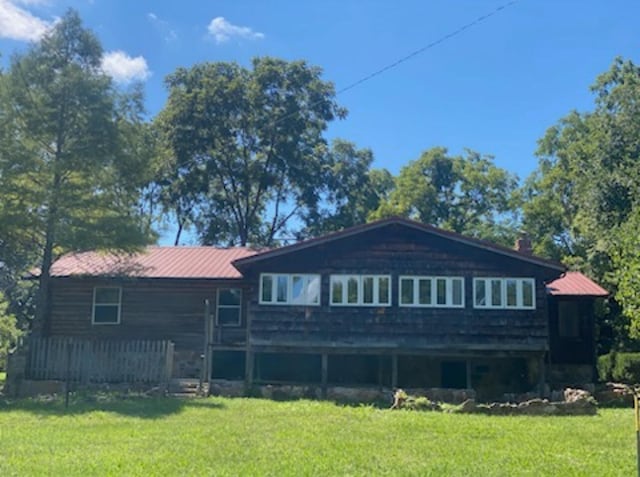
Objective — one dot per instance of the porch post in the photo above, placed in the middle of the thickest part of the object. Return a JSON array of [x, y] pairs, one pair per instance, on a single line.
[[206, 355], [394, 370], [248, 369], [541, 375], [324, 374]]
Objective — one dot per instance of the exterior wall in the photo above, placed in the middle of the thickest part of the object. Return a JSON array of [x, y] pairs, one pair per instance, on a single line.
[[399, 250], [578, 349], [150, 309]]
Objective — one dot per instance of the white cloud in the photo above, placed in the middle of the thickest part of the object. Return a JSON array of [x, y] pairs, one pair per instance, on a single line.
[[163, 27], [124, 68], [18, 24], [222, 31]]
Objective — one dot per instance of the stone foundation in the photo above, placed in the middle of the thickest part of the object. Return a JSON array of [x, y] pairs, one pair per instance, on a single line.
[[341, 394]]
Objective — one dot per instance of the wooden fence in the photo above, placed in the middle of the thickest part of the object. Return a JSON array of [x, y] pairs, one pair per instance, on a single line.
[[99, 361]]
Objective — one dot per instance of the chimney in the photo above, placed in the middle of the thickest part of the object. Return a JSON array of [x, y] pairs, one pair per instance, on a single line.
[[523, 244]]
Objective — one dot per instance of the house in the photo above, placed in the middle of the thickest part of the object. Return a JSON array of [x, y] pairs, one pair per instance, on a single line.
[[389, 303]]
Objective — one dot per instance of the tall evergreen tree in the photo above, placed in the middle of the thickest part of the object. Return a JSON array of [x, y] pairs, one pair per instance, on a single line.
[[70, 175]]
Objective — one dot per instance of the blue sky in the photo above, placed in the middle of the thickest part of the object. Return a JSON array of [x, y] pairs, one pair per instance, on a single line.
[[494, 88]]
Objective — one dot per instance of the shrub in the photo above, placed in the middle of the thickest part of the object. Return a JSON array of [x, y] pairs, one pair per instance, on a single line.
[[620, 367], [605, 366]]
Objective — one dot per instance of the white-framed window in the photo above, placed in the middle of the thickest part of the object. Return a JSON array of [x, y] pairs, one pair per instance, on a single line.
[[106, 305], [289, 289], [421, 291], [360, 290], [229, 305], [494, 292]]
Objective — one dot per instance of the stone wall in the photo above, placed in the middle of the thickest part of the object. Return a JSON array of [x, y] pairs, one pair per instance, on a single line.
[[340, 394]]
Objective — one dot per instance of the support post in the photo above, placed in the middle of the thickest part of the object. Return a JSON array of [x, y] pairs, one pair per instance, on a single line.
[[394, 371], [324, 374], [206, 355], [248, 369], [541, 375]]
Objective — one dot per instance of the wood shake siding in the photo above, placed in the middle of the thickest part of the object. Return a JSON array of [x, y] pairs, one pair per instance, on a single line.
[[152, 309], [397, 251]]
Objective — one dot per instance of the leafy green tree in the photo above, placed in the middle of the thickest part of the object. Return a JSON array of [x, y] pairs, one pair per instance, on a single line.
[[466, 194], [582, 203], [70, 172], [353, 191], [247, 146]]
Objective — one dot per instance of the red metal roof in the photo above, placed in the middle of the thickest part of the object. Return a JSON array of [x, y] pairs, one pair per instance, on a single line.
[[155, 262], [575, 284]]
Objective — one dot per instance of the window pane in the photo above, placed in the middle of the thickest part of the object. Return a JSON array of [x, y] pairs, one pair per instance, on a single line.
[[229, 316], [281, 293], [108, 295], [441, 289], [267, 288], [229, 296], [512, 293], [352, 290], [496, 292], [383, 290], [424, 292], [367, 290], [105, 314], [336, 291], [481, 293], [527, 293], [313, 290], [297, 289], [406, 291], [457, 291]]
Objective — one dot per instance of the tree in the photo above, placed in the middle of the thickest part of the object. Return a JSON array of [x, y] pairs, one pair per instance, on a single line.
[[247, 146], [466, 194], [352, 190], [70, 175], [582, 203]]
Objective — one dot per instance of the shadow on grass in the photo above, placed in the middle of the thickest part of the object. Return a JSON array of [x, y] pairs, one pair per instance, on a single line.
[[133, 406]]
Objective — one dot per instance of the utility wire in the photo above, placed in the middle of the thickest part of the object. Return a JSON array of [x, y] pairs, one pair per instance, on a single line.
[[413, 54], [419, 51]]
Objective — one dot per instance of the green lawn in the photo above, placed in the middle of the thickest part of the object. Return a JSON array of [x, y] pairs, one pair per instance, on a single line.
[[218, 436]]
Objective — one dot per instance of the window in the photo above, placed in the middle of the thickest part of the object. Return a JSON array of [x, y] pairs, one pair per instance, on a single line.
[[444, 292], [516, 293], [289, 289], [106, 305], [361, 290], [228, 310]]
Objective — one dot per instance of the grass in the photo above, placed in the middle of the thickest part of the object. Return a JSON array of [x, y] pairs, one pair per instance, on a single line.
[[218, 436]]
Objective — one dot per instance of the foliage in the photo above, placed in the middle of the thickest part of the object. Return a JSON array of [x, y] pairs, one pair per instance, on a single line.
[[583, 202], [619, 367], [70, 167], [9, 331], [259, 437], [352, 190], [247, 146], [466, 194]]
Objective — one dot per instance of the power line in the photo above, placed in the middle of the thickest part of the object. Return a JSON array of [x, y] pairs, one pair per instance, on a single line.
[[419, 51], [413, 54]]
